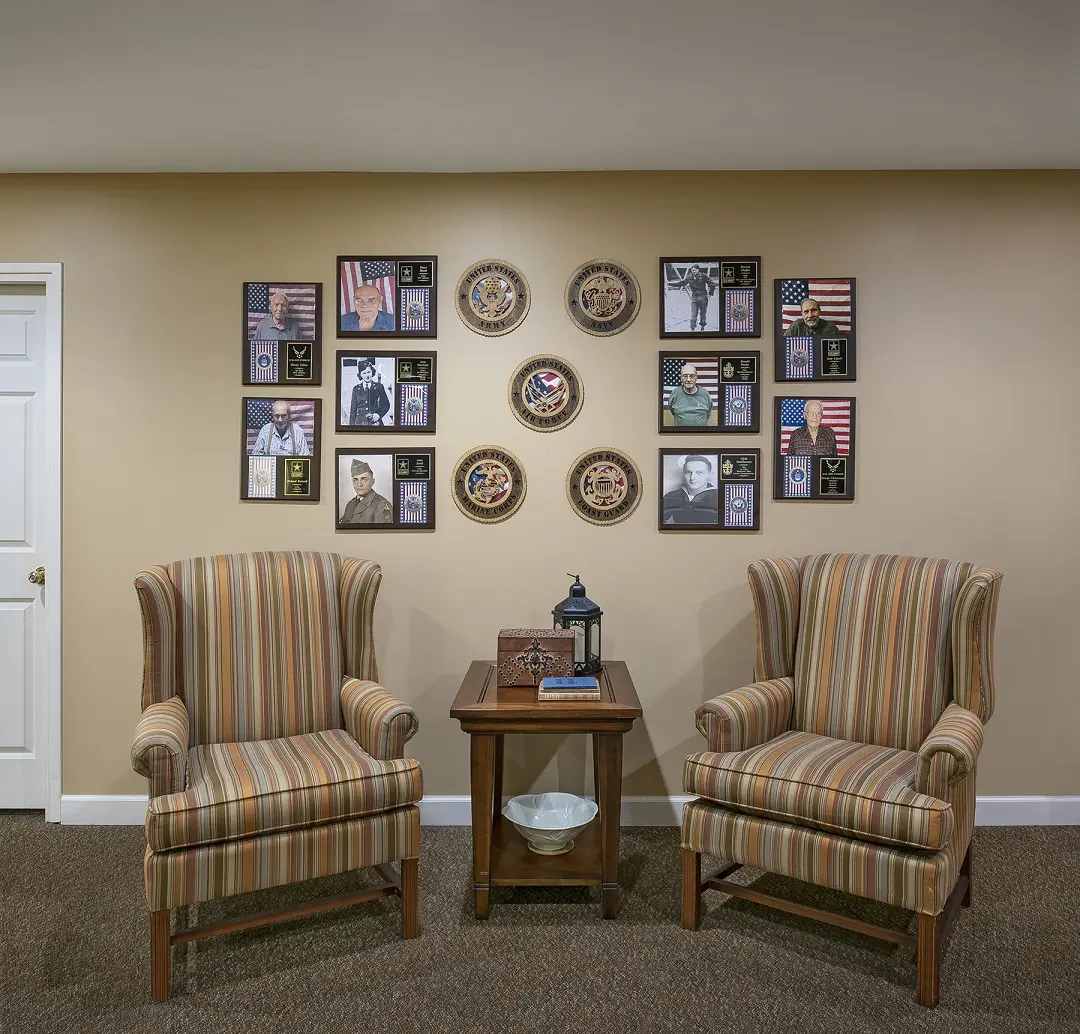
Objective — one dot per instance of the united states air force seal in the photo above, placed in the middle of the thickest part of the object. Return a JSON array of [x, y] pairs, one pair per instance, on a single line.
[[604, 486], [488, 484], [602, 297], [493, 297], [545, 393]]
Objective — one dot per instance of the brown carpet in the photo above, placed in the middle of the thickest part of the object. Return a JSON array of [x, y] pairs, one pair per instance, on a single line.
[[74, 950]]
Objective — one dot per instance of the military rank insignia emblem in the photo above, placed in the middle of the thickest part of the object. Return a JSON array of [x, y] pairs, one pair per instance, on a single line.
[[604, 486], [488, 484], [545, 393], [493, 297], [602, 297]]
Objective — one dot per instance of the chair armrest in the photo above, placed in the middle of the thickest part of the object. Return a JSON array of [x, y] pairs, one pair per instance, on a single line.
[[950, 751], [376, 719], [160, 748], [747, 717]]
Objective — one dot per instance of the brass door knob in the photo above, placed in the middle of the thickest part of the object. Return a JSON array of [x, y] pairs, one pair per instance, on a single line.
[[37, 576]]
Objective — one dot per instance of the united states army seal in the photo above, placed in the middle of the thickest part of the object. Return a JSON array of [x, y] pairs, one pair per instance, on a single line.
[[602, 297], [488, 484], [604, 486], [545, 393], [493, 297]]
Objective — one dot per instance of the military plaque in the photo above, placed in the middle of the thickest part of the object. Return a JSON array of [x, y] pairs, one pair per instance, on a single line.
[[300, 362], [493, 297], [387, 296], [602, 297], [385, 489], [834, 357], [298, 477], [279, 447], [604, 486], [387, 393], [545, 393], [815, 329], [815, 448], [709, 392], [488, 484], [709, 491], [710, 296], [832, 475], [282, 332]]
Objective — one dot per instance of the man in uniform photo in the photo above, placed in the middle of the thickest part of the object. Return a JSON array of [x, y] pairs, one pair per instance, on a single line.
[[367, 507], [701, 287], [696, 501]]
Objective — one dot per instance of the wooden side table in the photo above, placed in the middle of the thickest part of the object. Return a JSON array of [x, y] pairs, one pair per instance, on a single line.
[[501, 856]]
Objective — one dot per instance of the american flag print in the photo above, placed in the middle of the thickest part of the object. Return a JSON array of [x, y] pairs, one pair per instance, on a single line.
[[413, 497], [382, 273], [416, 308], [834, 297], [301, 306], [739, 506], [835, 413], [737, 405], [259, 412], [264, 362], [796, 477], [262, 477], [799, 358], [708, 375], [738, 312], [414, 405]]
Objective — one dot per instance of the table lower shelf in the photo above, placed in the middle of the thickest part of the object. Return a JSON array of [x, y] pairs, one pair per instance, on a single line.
[[514, 865]]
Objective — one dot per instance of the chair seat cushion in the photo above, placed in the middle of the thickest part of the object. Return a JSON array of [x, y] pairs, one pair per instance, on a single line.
[[855, 789], [238, 790]]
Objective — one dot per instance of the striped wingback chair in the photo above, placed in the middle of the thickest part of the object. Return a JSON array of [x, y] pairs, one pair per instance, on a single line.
[[850, 762], [272, 752]]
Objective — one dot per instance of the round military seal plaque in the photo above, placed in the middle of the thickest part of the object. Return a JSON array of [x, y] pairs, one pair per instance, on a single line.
[[493, 297], [545, 393], [602, 297], [488, 484], [604, 486]]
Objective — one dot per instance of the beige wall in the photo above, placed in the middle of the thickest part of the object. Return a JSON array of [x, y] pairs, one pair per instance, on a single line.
[[968, 377]]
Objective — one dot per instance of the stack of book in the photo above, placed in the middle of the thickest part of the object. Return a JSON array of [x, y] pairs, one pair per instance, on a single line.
[[583, 687]]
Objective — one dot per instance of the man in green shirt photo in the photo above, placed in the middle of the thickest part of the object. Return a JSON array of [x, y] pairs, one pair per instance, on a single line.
[[690, 404]]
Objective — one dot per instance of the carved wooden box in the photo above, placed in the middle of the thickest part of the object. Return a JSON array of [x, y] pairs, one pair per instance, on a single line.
[[527, 655]]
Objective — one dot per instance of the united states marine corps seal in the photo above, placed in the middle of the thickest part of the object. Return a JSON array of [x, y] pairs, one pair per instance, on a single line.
[[602, 297], [488, 484], [493, 297], [604, 486], [545, 393]]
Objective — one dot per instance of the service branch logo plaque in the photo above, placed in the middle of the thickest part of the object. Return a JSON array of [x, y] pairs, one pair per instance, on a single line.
[[545, 393], [493, 297], [602, 297], [604, 486], [488, 484]]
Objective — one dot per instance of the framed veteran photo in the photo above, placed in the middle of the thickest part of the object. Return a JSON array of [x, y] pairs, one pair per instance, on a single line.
[[706, 490], [279, 444], [388, 392], [386, 296], [709, 392], [282, 333], [815, 448], [710, 296], [381, 489], [815, 329]]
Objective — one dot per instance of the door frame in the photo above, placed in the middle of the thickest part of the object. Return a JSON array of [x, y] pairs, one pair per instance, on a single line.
[[51, 276]]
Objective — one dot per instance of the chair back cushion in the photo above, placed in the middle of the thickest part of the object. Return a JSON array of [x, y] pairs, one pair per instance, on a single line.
[[873, 659], [259, 638]]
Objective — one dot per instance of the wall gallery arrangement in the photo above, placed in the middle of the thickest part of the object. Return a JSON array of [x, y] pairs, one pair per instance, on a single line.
[[389, 390]]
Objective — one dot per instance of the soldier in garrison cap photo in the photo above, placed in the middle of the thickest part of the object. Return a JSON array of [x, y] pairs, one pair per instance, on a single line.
[[370, 402], [368, 507]]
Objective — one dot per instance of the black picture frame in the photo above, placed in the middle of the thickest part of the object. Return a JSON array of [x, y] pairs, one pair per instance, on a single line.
[[278, 357], [828, 355], [730, 501], [824, 475], [407, 300], [408, 380], [730, 290], [730, 378], [291, 477], [410, 474]]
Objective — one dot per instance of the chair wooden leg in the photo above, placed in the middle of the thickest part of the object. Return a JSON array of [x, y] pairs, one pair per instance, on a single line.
[[929, 960], [691, 889], [965, 870], [410, 897], [159, 954]]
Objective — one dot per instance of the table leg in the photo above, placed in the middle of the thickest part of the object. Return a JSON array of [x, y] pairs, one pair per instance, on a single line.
[[610, 807], [482, 752], [596, 767], [497, 792]]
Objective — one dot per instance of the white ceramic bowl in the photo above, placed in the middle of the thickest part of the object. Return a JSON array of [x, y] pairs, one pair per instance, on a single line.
[[550, 821]]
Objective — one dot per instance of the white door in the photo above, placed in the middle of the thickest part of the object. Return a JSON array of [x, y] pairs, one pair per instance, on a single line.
[[29, 539]]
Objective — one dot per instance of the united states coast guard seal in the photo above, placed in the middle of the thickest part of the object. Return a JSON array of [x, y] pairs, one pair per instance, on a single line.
[[604, 486], [493, 297], [488, 484], [602, 297], [545, 393]]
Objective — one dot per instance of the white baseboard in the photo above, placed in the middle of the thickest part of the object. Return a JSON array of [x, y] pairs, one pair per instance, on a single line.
[[456, 810]]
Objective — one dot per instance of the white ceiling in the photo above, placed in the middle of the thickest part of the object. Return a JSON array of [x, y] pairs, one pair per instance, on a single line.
[[482, 85]]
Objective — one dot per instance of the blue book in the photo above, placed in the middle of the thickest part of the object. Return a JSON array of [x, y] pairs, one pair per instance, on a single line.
[[569, 682]]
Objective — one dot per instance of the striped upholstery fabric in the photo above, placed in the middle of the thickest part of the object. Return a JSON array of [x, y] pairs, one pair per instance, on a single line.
[[974, 618], [873, 663], [774, 585], [159, 750], [842, 787], [196, 874], [238, 790], [378, 721], [158, 604], [360, 582], [950, 751], [748, 716]]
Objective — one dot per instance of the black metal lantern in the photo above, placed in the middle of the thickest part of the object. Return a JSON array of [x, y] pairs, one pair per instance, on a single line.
[[579, 613]]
